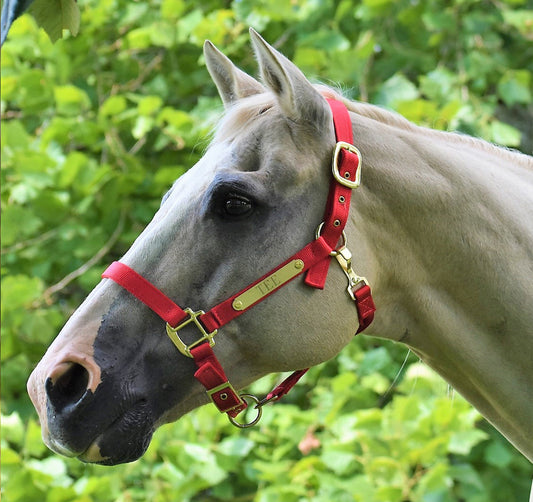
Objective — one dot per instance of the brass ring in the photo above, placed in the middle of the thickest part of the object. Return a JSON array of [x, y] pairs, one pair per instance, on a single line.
[[257, 417], [318, 232]]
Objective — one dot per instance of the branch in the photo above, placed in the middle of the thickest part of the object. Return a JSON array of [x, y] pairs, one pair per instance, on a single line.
[[30, 242], [147, 70], [63, 283]]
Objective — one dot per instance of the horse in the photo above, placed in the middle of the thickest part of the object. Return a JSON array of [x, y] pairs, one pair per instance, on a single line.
[[441, 226]]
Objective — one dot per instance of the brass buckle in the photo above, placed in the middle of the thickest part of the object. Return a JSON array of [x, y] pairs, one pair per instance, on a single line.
[[224, 396], [342, 145], [178, 342]]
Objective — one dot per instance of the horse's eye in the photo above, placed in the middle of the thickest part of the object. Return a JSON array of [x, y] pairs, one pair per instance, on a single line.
[[237, 206]]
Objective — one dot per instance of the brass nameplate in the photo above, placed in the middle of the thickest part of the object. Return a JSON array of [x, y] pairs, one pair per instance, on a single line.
[[268, 284]]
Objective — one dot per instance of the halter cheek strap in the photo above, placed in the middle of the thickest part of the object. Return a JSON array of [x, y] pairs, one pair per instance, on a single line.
[[314, 260]]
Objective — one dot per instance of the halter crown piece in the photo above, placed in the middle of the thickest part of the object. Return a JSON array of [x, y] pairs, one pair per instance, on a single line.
[[314, 259]]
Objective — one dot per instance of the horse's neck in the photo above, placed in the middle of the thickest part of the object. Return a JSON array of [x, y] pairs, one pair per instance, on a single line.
[[450, 216], [448, 242]]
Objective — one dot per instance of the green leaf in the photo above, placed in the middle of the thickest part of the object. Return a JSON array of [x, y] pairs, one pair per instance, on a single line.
[[236, 446], [17, 223], [22, 487], [377, 3], [326, 40], [33, 442], [172, 9], [396, 90], [70, 100], [467, 475], [498, 454], [8, 86], [14, 137], [114, 105], [462, 442], [34, 91], [375, 360], [340, 461], [438, 85], [435, 483], [149, 105], [10, 458], [521, 19], [63, 494], [515, 87], [55, 16], [143, 125], [52, 466], [178, 119], [20, 291], [12, 429], [504, 134]]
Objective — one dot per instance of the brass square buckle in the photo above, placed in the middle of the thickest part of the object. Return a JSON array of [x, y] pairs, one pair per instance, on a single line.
[[226, 398], [342, 145], [178, 342]]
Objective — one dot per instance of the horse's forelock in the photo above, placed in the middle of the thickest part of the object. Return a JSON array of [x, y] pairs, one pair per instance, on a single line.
[[238, 118]]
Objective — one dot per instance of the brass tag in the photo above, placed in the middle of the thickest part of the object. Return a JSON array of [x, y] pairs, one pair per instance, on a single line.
[[267, 285]]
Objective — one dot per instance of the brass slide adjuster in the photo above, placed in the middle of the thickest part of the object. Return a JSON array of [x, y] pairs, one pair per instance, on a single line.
[[180, 344]]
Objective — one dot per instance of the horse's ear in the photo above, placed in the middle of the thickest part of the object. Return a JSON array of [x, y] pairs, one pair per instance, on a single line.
[[300, 101], [232, 83]]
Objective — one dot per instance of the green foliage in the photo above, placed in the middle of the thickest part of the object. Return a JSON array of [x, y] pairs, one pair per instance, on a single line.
[[331, 440], [55, 16], [95, 128]]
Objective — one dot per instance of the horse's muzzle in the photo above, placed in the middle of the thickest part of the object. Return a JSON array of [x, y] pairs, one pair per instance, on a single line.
[[69, 397]]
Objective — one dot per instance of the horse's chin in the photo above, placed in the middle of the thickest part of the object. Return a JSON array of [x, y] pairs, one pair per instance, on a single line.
[[123, 453], [124, 449], [124, 440]]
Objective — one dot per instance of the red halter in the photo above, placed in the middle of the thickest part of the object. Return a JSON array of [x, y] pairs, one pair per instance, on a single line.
[[313, 259]]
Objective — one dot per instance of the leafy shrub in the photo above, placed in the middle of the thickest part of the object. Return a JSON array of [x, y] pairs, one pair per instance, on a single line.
[[95, 129]]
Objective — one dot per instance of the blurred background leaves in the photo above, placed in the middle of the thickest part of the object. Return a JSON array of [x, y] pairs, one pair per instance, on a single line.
[[96, 127]]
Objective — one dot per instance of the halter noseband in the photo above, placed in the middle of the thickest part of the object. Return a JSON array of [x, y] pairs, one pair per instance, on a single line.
[[314, 259]]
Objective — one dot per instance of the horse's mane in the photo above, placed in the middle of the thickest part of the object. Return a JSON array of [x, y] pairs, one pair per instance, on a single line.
[[394, 119]]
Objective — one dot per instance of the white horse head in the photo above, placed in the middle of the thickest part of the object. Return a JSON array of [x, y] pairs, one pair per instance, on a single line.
[[441, 227]]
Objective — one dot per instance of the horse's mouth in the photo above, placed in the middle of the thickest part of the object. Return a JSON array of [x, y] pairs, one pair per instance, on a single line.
[[125, 439]]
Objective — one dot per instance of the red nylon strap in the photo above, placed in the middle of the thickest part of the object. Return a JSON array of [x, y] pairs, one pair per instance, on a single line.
[[210, 372], [365, 307], [286, 385], [224, 312], [338, 204], [211, 375], [145, 291]]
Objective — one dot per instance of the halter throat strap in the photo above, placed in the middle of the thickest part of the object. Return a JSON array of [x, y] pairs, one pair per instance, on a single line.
[[314, 260]]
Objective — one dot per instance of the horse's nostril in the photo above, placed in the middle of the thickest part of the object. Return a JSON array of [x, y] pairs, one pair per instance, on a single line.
[[67, 384]]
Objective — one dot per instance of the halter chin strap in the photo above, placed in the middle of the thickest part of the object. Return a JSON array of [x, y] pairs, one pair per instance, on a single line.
[[314, 260]]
